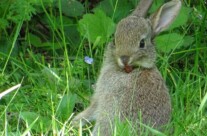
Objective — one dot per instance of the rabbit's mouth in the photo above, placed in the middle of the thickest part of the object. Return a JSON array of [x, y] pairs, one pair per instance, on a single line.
[[128, 68], [124, 63], [127, 64]]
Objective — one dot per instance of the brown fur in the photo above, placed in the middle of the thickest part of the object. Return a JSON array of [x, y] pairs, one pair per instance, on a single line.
[[142, 91]]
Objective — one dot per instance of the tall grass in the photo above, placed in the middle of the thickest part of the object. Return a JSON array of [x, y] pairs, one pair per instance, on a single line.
[[58, 84]]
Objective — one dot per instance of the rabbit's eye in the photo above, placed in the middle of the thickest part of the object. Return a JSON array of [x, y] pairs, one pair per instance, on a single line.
[[142, 44]]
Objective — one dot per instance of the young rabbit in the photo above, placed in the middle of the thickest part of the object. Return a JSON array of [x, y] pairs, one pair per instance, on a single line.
[[129, 85]]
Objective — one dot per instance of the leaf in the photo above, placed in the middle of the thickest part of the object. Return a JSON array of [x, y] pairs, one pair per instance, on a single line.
[[96, 25], [40, 2], [155, 6], [34, 40], [66, 106], [168, 42], [42, 123], [29, 117], [51, 45], [51, 74], [71, 31], [182, 18], [188, 40], [72, 8], [3, 23], [116, 9], [5, 47]]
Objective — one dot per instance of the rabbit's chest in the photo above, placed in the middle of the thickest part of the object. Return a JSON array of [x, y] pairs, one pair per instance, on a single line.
[[117, 82], [117, 91]]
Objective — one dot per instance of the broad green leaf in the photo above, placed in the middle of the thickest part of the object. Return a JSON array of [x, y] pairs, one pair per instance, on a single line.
[[71, 31], [5, 47], [29, 117], [156, 5], [96, 25], [116, 9], [50, 45], [182, 17], [168, 42], [34, 40], [39, 2], [52, 74], [72, 8], [180, 20], [66, 106], [42, 123], [3, 23], [188, 40]]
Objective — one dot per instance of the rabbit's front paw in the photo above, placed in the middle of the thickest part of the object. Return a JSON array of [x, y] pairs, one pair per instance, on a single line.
[[76, 122]]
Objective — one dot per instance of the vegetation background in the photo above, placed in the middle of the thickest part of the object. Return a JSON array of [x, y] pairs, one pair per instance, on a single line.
[[54, 48]]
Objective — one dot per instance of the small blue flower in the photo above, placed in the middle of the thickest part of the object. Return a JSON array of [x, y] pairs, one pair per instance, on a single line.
[[88, 60]]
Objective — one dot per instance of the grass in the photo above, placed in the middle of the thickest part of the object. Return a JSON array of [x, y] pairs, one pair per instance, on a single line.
[[57, 83]]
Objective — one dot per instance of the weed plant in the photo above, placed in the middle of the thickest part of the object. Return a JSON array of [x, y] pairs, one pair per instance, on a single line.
[[54, 49]]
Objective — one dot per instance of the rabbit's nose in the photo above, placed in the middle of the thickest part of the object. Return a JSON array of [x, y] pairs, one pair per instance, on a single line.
[[124, 59]]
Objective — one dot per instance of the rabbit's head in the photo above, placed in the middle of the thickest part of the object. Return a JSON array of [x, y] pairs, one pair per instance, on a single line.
[[133, 45]]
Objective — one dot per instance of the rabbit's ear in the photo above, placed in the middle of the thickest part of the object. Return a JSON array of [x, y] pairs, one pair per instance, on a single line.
[[142, 8], [165, 16]]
